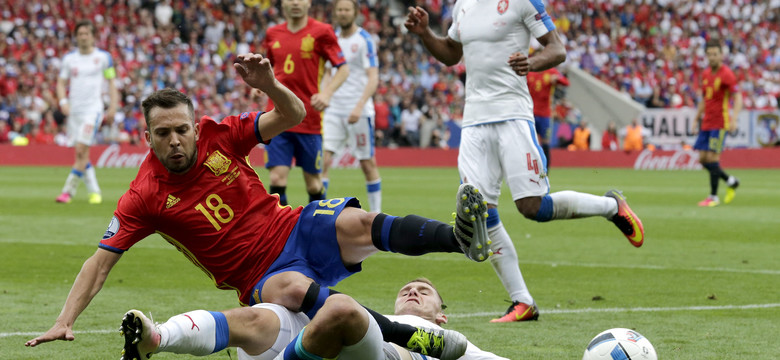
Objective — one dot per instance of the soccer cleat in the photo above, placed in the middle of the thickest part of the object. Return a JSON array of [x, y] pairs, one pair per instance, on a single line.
[[626, 220], [441, 344], [519, 312], [141, 336], [471, 223], [709, 202], [731, 191], [95, 198], [64, 198]]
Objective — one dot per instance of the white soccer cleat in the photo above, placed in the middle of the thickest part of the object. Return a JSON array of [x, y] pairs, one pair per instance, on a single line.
[[141, 336], [471, 223]]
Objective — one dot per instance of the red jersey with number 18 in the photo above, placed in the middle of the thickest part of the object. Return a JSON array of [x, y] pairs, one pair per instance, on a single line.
[[299, 63], [218, 214]]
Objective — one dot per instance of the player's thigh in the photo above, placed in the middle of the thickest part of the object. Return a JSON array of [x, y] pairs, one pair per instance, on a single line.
[[308, 152], [522, 158], [334, 132], [362, 138], [290, 324], [83, 127], [280, 151], [478, 161]]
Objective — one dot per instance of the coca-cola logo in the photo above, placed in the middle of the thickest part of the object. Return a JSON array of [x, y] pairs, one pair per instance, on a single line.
[[667, 160], [115, 156]]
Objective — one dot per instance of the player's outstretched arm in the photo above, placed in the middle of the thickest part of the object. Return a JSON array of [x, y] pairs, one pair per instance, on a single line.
[[552, 54], [288, 109], [87, 284], [444, 49]]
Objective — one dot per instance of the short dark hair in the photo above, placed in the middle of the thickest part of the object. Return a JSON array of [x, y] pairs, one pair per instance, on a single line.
[[82, 23], [354, 3], [712, 43], [167, 99], [426, 281]]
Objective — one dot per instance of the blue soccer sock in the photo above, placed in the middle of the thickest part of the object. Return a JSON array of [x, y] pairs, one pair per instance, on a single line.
[[281, 191], [295, 350], [314, 299]]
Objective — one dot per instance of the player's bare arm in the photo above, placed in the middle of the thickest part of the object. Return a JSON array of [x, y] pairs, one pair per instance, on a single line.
[[257, 72], [62, 94], [734, 123], [444, 49], [321, 100], [87, 284], [551, 55], [368, 92], [113, 104], [697, 118]]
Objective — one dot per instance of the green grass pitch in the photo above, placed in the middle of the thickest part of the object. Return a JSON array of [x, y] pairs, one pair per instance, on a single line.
[[704, 285]]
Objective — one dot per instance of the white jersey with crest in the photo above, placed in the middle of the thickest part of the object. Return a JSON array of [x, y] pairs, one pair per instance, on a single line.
[[360, 52], [491, 30], [86, 75]]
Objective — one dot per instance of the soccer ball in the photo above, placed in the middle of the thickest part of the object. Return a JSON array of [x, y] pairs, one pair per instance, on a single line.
[[619, 344]]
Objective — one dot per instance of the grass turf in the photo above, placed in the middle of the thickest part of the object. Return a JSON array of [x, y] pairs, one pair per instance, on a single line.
[[704, 285]]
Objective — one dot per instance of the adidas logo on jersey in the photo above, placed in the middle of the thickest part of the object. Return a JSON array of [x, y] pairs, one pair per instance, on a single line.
[[172, 200]]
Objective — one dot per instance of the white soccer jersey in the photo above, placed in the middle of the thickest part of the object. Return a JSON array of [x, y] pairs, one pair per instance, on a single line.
[[491, 30], [472, 352], [86, 74], [360, 52]]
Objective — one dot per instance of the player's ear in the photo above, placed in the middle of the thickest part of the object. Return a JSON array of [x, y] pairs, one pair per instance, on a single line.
[[196, 128], [148, 137], [441, 318]]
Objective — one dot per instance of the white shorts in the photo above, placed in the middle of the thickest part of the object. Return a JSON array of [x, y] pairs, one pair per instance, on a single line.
[[507, 150], [371, 347], [82, 127], [290, 324], [358, 137]]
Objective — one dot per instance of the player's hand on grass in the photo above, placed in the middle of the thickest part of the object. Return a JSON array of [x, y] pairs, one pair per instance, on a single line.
[[57, 332], [416, 20], [256, 71], [519, 63]]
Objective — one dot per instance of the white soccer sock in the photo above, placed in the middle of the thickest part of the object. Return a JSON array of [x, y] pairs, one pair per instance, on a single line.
[[191, 333], [90, 179], [374, 189], [571, 205], [505, 263], [369, 347], [72, 182]]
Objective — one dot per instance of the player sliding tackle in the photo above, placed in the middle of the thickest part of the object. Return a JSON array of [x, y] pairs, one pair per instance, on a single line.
[[201, 195]]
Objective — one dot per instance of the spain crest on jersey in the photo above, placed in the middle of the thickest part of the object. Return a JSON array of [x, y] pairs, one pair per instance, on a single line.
[[217, 163], [503, 5]]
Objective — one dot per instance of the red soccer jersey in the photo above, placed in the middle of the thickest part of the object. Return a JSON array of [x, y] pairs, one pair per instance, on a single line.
[[299, 63], [717, 88], [542, 88], [218, 214]]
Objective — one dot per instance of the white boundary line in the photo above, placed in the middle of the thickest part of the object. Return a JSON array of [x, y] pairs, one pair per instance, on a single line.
[[637, 309], [552, 311]]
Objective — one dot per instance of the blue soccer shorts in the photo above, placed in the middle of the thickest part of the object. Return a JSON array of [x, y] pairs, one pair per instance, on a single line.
[[542, 124], [305, 148], [711, 140], [312, 248]]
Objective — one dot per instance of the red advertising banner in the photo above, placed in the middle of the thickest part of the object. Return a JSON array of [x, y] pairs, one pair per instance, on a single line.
[[104, 156]]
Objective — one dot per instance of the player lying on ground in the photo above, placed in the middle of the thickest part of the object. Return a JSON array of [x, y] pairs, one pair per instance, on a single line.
[[201, 195], [342, 328]]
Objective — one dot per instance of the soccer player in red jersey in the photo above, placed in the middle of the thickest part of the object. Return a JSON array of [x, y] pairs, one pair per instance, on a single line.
[[542, 85], [719, 85], [298, 50], [198, 192]]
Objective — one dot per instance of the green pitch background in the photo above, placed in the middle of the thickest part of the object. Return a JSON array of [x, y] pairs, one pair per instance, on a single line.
[[704, 285]]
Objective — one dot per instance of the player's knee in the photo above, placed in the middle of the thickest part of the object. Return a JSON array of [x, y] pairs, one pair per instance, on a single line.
[[529, 206], [341, 310]]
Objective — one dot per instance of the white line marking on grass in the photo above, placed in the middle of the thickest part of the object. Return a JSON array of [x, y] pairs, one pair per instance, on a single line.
[[552, 311], [652, 267], [637, 309]]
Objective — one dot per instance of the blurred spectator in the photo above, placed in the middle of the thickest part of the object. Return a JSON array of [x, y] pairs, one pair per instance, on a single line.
[[411, 117], [634, 136], [4, 131], [564, 133], [581, 139], [609, 140]]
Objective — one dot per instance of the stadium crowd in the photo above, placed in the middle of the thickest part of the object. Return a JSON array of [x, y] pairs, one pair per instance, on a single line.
[[650, 50]]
